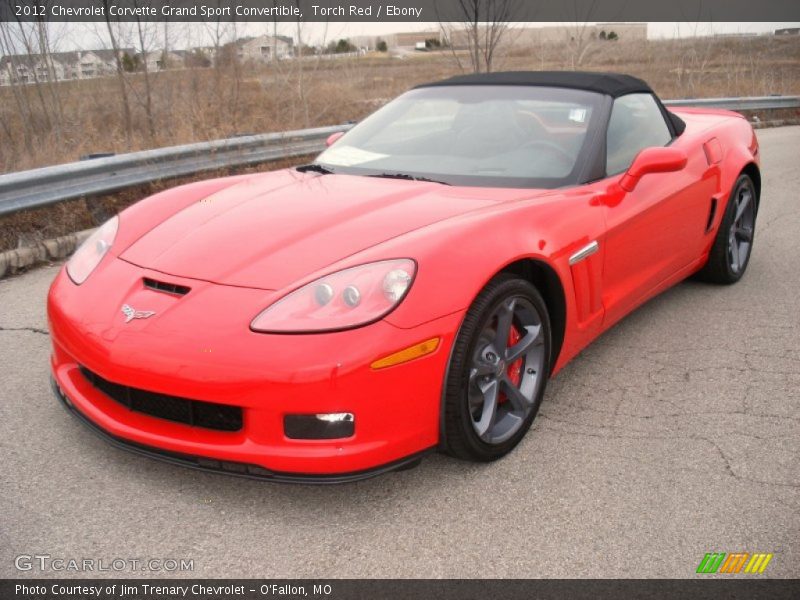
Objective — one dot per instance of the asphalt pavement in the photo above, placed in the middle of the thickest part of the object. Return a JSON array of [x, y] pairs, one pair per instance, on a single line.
[[677, 433]]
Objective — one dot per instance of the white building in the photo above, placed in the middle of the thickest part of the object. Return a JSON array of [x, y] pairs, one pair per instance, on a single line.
[[59, 66], [264, 48], [158, 60]]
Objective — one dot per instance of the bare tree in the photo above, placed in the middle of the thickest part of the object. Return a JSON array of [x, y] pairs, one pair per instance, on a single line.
[[297, 76], [165, 55], [144, 35], [29, 47], [26, 37], [44, 38], [692, 63], [123, 91], [482, 28], [580, 41], [228, 71], [217, 30], [307, 70], [581, 36], [25, 113], [225, 62]]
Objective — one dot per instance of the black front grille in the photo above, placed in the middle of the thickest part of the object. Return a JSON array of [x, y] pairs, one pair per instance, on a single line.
[[209, 415]]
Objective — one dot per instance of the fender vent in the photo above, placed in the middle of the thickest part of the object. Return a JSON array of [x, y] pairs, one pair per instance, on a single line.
[[167, 288], [711, 214]]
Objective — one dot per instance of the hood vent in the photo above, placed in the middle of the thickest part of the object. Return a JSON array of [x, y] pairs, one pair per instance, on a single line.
[[167, 288]]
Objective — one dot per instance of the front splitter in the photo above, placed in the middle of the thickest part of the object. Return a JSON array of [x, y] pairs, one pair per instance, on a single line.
[[237, 469]]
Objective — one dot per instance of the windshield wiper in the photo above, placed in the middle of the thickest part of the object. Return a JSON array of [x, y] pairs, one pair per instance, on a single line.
[[316, 167], [409, 177]]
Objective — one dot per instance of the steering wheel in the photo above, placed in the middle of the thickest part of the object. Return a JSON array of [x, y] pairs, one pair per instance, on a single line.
[[531, 125], [477, 140], [554, 149]]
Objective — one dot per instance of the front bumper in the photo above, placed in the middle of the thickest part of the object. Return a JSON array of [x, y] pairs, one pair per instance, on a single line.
[[233, 468], [199, 347]]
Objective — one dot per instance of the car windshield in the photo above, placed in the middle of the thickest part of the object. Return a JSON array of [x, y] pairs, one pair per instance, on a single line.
[[474, 135]]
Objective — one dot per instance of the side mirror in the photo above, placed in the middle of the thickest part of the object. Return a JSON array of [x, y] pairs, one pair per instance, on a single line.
[[333, 137], [652, 160]]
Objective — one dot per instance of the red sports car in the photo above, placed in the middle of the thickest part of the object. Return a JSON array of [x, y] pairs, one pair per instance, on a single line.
[[411, 289]]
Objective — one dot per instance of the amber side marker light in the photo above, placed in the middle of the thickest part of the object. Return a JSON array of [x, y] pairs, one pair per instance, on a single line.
[[407, 354]]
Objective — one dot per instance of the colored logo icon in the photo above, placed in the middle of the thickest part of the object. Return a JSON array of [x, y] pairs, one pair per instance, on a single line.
[[736, 562]]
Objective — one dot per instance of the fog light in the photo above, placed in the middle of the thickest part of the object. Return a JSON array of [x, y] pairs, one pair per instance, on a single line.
[[324, 426], [335, 417]]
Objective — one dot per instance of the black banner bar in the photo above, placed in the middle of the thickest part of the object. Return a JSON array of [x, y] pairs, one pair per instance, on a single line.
[[398, 10], [711, 588]]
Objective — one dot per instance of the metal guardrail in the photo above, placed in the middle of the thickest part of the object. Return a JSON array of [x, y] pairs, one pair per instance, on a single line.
[[49, 185], [753, 103]]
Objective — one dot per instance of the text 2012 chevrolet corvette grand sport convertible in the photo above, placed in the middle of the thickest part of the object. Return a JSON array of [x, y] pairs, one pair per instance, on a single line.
[[413, 288]]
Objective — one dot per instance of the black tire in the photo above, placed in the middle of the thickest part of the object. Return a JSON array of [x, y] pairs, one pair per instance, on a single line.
[[479, 331], [725, 264]]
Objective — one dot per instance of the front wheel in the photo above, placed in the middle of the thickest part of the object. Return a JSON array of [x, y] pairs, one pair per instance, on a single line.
[[498, 371], [733, 244]]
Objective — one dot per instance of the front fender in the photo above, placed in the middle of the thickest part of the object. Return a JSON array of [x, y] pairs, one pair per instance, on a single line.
[[458, 257]]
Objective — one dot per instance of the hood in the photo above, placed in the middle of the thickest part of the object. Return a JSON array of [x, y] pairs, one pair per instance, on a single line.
[[274, 229]]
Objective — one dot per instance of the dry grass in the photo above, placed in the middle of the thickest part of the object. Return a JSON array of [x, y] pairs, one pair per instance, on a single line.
[[204, 104]]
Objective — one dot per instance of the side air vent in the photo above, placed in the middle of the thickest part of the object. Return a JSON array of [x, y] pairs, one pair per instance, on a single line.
[[711, 214], [167, 288]]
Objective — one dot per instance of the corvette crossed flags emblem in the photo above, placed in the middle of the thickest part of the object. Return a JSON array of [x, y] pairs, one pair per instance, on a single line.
[[131, 313]]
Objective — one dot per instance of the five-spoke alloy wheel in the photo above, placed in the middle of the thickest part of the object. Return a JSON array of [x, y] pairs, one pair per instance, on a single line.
[[498, 371], [733, 244], [740, 233]]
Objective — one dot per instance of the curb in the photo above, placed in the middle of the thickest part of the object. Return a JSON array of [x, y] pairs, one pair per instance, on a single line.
[[12, 261]]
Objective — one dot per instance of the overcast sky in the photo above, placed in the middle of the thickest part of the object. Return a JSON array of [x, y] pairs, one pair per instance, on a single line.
[[654, 30], [84, 36]]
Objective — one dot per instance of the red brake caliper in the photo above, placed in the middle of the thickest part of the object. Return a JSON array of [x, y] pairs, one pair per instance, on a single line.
[[514, 370]]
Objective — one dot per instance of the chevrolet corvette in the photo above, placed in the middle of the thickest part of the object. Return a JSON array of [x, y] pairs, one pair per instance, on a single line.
[[411, 289]]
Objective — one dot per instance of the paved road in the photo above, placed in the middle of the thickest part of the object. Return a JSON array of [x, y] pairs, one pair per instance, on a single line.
[[675, 434]]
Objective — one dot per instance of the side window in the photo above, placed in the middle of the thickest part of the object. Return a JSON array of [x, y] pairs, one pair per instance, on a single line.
[[636, 123]]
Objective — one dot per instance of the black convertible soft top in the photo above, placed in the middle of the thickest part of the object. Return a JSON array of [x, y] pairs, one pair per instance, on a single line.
[[612, 84]]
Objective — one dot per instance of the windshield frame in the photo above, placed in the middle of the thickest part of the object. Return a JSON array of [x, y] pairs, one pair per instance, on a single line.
[[584, 168]]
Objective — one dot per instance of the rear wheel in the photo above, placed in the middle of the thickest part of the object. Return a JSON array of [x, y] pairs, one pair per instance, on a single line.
[[498, 371], [730, 253]]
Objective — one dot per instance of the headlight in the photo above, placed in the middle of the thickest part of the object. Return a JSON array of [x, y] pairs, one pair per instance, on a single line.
[[92, 251], [342, 300]]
